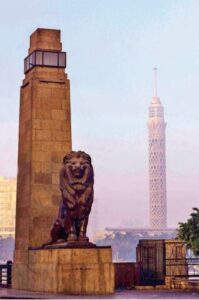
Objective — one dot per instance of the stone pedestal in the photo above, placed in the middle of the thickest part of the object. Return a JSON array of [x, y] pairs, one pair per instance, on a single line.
[[71, 270]]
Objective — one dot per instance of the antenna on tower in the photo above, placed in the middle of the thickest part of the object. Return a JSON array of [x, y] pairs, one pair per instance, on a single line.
[[155, 81]]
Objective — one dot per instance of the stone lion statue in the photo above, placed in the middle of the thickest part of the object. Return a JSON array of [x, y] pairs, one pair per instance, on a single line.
[[76, 185]]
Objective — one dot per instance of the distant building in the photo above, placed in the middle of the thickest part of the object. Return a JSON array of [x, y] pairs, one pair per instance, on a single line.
[[137, 232], [142, 231], [125, 240], [7, 207], [157, 163], [93, 220]]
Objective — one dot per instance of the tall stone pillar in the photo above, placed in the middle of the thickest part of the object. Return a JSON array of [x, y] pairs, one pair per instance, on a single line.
[[44, 138]]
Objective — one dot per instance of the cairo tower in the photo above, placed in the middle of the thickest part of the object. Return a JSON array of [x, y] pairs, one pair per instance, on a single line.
[[157, 163]]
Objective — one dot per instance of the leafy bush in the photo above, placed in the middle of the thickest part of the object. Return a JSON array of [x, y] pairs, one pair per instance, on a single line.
[[189, 231]]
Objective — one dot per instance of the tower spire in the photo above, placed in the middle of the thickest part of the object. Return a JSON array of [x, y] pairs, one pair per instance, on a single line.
[[155, 82]]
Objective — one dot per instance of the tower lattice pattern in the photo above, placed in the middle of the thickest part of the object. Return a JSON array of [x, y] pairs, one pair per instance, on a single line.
[[157, 165]]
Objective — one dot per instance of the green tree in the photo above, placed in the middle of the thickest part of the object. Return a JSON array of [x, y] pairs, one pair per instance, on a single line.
[[189, 231]]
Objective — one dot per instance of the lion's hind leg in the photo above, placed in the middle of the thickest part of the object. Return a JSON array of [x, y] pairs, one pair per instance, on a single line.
[[82, 230]]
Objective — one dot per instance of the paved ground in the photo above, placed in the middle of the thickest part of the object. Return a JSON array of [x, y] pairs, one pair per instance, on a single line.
[[131, 294]]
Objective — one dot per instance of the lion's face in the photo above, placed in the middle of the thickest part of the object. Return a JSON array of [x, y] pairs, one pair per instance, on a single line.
[[78, 170], [77, 166]]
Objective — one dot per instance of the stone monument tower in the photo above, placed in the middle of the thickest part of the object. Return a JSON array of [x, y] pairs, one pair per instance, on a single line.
[[44, 138], [76, 267], [157, 163]]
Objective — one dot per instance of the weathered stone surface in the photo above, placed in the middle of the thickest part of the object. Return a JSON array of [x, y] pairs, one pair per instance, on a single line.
[[48, 39], [50, 140], [20, 276], [71, 271], [44, 132], [45, 178], [175, 254]]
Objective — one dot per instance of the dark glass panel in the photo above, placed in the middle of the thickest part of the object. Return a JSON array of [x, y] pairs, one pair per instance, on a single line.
[[31, 60], [38, 57], [25, 65], [62, 59], [28, 61], [45, 58], [51, 59]]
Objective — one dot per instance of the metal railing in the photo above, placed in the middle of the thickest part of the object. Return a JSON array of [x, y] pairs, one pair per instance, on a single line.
[[6, 274]]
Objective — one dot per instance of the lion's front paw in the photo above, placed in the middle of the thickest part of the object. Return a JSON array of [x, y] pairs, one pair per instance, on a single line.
[[72, 237]]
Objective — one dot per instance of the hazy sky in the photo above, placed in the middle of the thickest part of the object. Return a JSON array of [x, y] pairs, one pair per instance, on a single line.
[[112, 48]]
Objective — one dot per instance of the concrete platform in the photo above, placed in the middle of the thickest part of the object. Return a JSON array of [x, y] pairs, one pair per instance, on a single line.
[[130, 294]]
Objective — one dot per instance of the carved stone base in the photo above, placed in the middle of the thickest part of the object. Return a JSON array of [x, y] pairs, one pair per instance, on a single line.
[[65, 245], [71, 245], [70, 270]]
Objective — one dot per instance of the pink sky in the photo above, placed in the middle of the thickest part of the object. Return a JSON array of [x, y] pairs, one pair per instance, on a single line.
[[112, 49]]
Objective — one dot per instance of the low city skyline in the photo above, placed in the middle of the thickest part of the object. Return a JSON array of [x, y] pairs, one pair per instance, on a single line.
[[112, 47]]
